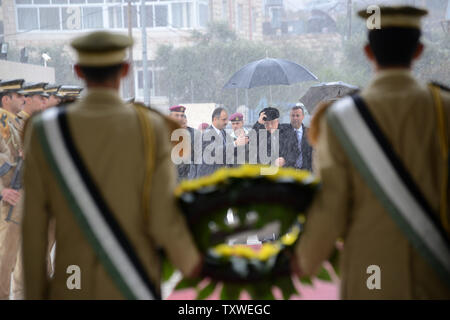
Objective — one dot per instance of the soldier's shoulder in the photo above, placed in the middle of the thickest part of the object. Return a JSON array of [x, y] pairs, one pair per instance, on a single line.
[[159, 119], [444, 92], [440, 86]]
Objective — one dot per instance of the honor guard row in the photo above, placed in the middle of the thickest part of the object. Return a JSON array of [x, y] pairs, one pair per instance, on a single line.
[[18, 101]]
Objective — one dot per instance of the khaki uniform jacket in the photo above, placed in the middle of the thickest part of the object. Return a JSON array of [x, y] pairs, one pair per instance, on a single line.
[[108, 135], [10, 145], [347, 208]]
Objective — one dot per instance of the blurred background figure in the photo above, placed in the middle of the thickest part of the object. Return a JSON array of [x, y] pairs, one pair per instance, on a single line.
[[203, 126], [237, 125]]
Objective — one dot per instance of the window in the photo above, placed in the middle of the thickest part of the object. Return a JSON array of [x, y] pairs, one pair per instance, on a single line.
[[225, 9], [188, 15], [27, 18], [23, 1], [92, 17], [115, 17], [202, 15], [141, 79], [49, 18], [161, 16], [239, 21], [41, 1], [77, 1], [149, 16], [94, 1], [177, 15], [59, 1]]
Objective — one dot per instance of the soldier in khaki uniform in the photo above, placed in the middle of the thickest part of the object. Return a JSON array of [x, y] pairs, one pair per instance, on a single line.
[[10, 149], [347, 208], [108, 137], [35, 100]]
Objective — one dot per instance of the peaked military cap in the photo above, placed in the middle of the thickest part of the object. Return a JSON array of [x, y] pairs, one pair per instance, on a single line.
[[177, 109], [51, 89], [101, 48], [398, 16], [11, 85], [35, 88], [69, 91], [237, 117]]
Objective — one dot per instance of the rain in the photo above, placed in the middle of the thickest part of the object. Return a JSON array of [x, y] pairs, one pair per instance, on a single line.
[[193, 47]]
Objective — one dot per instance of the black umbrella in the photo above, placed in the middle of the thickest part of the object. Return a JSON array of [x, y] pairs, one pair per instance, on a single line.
[[325, 91], [269, 72]]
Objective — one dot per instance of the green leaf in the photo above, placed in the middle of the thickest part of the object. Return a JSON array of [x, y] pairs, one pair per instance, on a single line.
[[286, 287], [324, 275], [230, 291], [306, 281], [206, 291], [334, 260], [187, 283], [260, 290], [167, 270]]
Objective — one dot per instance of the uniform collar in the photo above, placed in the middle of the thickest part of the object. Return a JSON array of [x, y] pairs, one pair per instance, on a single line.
[[102, 98], [9, 114], [23, 114], [392, 80]]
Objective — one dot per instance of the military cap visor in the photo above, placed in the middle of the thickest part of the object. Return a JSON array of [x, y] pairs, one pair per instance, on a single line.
[[66, 91], [397, 16], [101, 49], [51, 89], [11, 86], [32, 89]]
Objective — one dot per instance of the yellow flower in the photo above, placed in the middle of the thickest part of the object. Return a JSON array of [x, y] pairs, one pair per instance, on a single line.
[[289, 238], [223, 250], [244, 251], [268, 250], [244, 171]]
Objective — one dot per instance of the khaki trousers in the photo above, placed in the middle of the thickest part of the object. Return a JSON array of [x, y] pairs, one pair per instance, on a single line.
[[10, 243]]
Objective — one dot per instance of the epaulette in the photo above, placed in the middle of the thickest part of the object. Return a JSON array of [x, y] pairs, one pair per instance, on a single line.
[[441, 86], [171, 124]]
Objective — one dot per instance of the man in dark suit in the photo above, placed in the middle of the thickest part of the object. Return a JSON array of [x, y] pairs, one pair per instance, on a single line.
[[268, 124], [218, 148], [303, 160]]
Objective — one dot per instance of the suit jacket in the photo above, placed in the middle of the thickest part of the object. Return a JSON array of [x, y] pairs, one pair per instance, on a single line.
[[346, 207], [109, 139], [306, 149], [184, 168], [288, 145], [219, 151]]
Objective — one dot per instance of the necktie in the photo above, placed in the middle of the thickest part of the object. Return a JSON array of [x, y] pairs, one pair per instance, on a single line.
[[299, 161]]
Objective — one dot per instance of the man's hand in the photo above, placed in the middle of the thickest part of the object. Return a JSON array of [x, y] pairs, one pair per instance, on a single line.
[[280, 162], [241, 140], [261, 118], [10, 196]]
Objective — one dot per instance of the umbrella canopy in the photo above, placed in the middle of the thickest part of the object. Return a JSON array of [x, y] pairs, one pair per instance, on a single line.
[[325, 91], [269, 72]]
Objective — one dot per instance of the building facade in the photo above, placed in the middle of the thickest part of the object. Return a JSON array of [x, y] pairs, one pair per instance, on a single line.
[[48, 23]]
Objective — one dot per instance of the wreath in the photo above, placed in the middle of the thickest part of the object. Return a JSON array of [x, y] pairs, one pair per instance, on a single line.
[[241, 200]]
